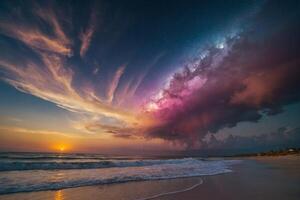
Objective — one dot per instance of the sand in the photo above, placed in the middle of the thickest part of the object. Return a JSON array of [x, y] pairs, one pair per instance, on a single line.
[[274, 178]]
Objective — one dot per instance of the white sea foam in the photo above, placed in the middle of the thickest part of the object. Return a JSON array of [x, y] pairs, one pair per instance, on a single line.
[[82, 164]]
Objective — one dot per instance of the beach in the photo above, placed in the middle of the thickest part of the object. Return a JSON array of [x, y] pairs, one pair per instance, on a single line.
[[254, 178]]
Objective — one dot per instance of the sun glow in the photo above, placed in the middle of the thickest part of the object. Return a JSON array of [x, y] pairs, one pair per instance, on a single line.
[[61, 147]]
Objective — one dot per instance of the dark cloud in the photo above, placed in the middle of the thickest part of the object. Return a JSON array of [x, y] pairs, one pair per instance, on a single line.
[[283, 137], [256, 72]]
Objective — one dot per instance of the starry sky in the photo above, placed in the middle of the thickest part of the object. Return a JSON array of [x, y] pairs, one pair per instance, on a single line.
[[134, 77]]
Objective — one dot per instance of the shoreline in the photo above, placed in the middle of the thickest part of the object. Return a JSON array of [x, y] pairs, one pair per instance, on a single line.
[[174, 192]]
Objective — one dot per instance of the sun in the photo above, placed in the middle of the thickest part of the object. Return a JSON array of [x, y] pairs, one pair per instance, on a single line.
[[60, 148]]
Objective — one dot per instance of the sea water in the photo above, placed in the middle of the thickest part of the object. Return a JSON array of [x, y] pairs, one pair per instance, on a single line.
[[26, 172]]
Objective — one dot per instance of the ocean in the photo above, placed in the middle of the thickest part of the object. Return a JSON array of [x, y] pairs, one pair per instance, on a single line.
[[27, 172]]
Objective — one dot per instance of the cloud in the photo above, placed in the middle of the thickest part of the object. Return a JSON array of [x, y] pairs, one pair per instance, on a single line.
[[128, 90], [283, 137], [34, 37], [87, 34], [47, 73], [20, 130], [114, 83], [254, 72], [53, 83]]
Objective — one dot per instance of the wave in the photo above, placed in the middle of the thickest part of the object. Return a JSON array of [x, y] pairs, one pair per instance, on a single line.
[[12, 166], [27, 181], [50, 156]]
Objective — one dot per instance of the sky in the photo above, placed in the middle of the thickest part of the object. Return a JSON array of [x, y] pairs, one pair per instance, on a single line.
[[138, 77]]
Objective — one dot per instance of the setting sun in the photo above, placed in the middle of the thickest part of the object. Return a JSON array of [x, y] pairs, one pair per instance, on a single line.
[[61, 147]]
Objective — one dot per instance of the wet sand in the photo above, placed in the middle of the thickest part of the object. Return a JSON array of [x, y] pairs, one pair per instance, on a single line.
[[264, 178]]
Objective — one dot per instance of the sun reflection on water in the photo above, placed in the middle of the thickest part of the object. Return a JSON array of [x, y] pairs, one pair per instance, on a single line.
[[59, 195]]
